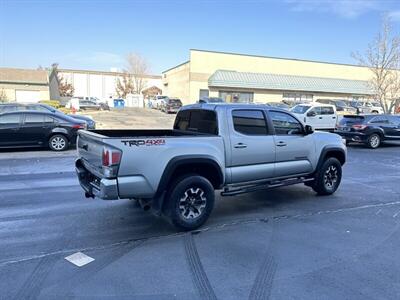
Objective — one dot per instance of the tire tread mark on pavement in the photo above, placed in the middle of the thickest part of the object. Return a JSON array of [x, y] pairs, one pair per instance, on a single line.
[[197, 271], [32, 286], [263, 283], [98, 265]]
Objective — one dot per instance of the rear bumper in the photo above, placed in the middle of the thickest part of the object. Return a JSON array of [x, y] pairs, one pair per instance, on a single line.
[[106, 189], [353, 136], [172, 109]]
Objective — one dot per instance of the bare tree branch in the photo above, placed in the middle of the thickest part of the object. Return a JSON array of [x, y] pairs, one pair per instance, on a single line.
[[133, 81], [382, 57]]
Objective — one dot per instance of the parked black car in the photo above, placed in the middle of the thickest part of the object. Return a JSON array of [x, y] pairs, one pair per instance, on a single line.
[[38, 129], [171, 105], [371, 130], [9, 107]]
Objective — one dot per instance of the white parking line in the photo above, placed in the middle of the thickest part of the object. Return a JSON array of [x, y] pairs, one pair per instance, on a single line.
[[79, 259]]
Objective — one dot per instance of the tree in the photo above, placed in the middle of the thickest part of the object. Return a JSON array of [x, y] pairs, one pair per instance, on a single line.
[[125, 85], [382, 57], [138, 67], [3, 95], [133, 80], [65, 88]]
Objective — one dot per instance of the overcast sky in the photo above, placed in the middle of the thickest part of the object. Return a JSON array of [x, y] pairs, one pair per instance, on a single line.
[[97, 35]]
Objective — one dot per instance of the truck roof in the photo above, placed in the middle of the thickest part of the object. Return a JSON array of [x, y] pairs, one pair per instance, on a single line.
[[215, 106]]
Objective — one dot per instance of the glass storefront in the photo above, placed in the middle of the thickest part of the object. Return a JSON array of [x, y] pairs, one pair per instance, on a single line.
[[297, 97], [236, 97]]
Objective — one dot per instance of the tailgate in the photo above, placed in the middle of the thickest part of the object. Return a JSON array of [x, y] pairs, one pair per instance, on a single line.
[[90, 149]]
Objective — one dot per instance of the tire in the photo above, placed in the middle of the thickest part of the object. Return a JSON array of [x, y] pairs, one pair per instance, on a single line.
[[58, 142], [375, 112], [190, 202], [374, 141], [328, 177]]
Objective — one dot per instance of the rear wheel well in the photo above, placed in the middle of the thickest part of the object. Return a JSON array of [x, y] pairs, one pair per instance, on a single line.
[[207, 170], [58, 133], [378, 133], [339, 155]]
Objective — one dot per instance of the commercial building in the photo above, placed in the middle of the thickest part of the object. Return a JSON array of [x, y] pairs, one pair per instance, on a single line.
[[101, 84], [251, 78], [26, 85]]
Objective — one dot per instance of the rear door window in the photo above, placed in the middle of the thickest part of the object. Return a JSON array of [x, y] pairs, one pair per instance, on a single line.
[[249, 122], [327, 110], [196, 120], [34, 119], [316, 109], [379, 120]]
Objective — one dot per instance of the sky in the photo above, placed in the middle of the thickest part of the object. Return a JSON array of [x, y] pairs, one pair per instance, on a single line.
[[97, 35]]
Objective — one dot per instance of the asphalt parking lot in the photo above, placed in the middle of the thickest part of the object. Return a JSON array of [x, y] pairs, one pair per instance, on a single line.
[[285, 243]]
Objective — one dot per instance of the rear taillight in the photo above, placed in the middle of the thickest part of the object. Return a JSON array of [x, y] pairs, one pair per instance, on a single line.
[[111, 157], [359, 127], [110, 161]]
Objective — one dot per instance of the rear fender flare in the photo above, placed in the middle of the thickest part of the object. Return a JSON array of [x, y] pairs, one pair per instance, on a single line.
[[172, 166]]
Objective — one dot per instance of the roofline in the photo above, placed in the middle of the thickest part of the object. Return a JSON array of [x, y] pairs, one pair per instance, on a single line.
[[41, 83], [104, 73], [282, 58], [181, 64]]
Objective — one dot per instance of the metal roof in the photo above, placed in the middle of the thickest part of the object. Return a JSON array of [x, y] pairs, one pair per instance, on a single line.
[[233, 79], [23, 76]]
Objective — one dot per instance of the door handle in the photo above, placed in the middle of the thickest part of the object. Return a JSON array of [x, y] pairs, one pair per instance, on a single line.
[[281, 144], [333, 117], [240, 146], [320, 118]]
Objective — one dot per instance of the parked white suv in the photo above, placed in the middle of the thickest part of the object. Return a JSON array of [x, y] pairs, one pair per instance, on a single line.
[[158, 101], [317, 115]]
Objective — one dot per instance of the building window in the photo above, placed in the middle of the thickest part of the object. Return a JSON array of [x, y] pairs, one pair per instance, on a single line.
[[203, 94], [236, 97], [297, 97]]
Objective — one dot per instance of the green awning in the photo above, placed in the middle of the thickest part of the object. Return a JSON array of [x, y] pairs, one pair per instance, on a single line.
[[265, 81]]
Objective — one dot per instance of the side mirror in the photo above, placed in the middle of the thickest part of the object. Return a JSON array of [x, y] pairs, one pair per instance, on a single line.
[[311, 114], [309, 129]]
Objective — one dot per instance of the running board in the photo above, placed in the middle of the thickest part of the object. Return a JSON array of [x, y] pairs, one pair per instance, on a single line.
[[264, 186]]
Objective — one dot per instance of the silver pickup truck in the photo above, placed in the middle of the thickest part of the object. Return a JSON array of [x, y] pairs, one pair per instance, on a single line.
[[236, 148]]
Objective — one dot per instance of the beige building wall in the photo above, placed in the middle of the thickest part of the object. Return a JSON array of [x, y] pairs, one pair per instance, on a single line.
[[258, 64], [185, 81], [10, 90], [176, 83]]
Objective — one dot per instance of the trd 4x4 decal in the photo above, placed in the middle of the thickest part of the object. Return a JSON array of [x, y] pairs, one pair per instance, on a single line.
[[150, 142]]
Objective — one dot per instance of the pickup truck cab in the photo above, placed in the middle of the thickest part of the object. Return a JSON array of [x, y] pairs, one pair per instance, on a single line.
[[236, 148], [319, 116]]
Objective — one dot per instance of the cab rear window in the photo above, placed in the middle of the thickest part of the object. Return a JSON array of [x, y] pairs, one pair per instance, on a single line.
[[201, 121]]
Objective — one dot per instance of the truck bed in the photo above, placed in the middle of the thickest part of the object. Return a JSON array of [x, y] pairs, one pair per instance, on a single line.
[[129, 133]]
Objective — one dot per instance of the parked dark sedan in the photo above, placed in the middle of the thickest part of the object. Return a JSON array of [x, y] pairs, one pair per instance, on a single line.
[[9, 107], [38, 129], [171, 105], [371, 130]]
